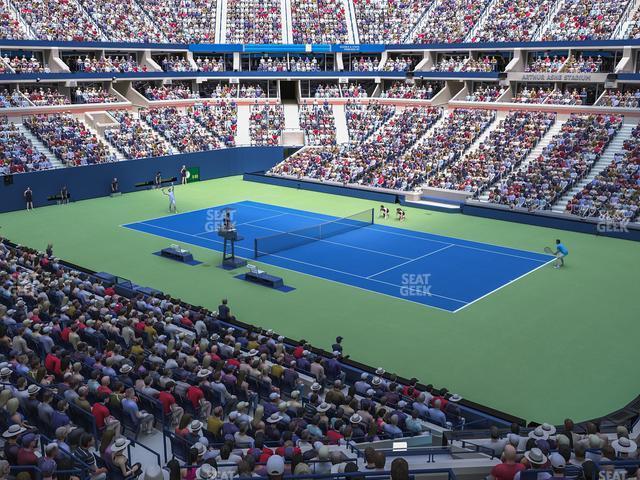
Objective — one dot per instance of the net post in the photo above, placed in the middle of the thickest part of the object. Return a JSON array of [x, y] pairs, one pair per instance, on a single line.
[[372, 217], [255, 248]]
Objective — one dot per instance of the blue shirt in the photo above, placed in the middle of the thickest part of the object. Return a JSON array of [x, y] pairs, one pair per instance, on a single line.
[[562, 249]]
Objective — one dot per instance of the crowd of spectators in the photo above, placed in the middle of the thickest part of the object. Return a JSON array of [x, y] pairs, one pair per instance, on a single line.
[[209, 64], [123, 21], [377, 161], [545, 64], [354, 90], [10, 27], [79, 355], [450, 64], [450, 21], [569, 156], [17, 153], [313, 162], [265, 124], [93, 95], [135, 138], [40, 96], [485, 93], [434, 152], [398, 64], [633, 31], [177, 91], [325, 90], [306, 64], [459, 63], [512, 21], [363, 161], [502, 151], [56, 20], [220, 118], [318, 124], [568, 97], [319, 22], [615, 192], [365, 118], [386, 21], [12, 99], [187, 21], [532, 95], [219, 90], [620, 98], [272, 64], [365, 64], [252, 90], [254, 21], [583, 65], [585, 20], [176, 63], [409, 91], [182, 129], [69, 139], [25, 65], [109, 64]]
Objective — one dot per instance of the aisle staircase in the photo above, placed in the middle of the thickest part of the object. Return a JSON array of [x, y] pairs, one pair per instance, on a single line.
[[603, 162], [41, 147], [535, 153]]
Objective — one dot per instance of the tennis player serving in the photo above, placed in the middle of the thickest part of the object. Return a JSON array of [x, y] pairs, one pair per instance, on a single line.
[[172, 199], [560, 253]]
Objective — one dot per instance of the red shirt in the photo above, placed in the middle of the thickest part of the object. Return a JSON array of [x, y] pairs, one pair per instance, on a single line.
[[100, 412], [65, 334], [27, 457], [104, 389], [52, 364], [506, 471], [166, 399], [334, 437], [194, 394]]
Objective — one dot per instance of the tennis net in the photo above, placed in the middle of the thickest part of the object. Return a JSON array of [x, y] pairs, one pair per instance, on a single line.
[[295, 238]]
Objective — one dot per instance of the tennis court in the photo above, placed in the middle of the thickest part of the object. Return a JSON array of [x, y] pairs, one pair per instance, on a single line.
[[441, 272]]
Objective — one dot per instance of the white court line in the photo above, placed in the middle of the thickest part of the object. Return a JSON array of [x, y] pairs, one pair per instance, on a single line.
[[206, 232], [502, 286], [412, 260], [464, 246], [385, 231], [311, 265]]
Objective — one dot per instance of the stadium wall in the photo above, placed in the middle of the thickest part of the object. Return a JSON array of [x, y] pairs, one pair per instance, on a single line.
[[540, 219], [95, 180], [551, 220], [333, 189]]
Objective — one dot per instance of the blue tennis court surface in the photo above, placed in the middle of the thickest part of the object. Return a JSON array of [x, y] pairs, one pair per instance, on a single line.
[[441, 272]]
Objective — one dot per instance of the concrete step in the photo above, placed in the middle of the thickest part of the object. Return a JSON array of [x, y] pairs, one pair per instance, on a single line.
[[113, 150], [243, 136], [615, 146], [342, 131], [291, 116], [41, 147]]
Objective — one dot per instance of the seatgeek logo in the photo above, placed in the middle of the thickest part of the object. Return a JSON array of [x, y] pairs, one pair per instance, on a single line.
[[613, 226], [415, 285], [612, 475], [215, 220]]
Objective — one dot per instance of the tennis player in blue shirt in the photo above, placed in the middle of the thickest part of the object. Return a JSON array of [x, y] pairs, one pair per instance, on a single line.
[[561, 252]]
